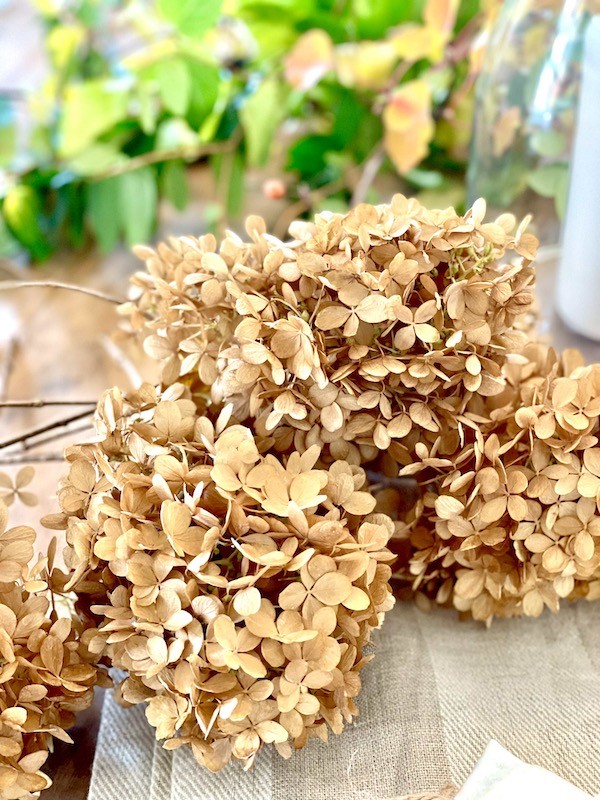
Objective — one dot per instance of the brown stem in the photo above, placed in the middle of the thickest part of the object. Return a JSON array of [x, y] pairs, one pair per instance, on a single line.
[[294, 210], [27, 458], [160, 156], [23, 437], [6, 285], [29, 445], [43, 403], [369, 172]]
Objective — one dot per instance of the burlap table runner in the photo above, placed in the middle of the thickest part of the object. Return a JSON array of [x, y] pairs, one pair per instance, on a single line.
[[436, 693]]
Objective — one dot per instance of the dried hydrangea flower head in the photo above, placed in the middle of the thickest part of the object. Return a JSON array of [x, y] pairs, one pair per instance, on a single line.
[[514, 526], [366, 333], [237, 589], [46, 675], [396, 338]]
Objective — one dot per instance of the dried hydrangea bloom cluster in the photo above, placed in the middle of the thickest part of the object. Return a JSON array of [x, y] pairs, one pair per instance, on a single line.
[[235, 588], [514, 523], [46, 675], [396, 338]]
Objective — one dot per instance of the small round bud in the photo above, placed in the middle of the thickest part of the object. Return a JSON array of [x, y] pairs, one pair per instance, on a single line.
[[274, 189]]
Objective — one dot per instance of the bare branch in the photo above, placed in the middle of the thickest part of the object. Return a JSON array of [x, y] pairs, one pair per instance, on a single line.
[[61, 423], [159, 156], [293, 211], [44, 403], [60, 434], [6, 285], [28, 458]]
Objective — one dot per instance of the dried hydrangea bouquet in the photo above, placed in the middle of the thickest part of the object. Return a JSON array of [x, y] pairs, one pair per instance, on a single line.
[[366, 398]]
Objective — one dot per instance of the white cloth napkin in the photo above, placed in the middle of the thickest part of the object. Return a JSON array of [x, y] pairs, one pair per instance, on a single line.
[[499, 775]]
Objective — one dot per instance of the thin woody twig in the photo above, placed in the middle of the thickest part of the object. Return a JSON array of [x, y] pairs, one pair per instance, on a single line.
[[44, 403], [6, 285], [370, 169], [61, 423], [29, 458], [32, 445], [295, 209], [158, 156]]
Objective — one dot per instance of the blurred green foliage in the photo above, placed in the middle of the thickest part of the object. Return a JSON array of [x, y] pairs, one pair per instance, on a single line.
[[139, 89]]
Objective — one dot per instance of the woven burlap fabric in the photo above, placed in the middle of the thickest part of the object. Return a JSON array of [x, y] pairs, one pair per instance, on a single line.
[[436, 693]]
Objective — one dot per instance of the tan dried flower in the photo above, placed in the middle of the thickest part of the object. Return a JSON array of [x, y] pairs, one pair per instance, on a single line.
[[394, 338], [14, 488], [46, 675], [235, 587]]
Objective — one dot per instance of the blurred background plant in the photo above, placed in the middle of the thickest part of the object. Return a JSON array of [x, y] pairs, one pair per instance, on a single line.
[[327, 101]]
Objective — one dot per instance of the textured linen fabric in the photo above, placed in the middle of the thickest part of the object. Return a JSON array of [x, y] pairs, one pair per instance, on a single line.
[[436, 693]]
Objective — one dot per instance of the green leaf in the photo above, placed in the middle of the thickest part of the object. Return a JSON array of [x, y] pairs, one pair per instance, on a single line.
[[138, 199], [174, 184], [62, 44], [466, 11], [261, 116], [23, 214], [425, 178], [552, 180], [549, 180], [308, 155], [349, 113], [103, 213], [191, 17], [175, 85], [205, 84], [373, 20], [549, 144], [90, 109]]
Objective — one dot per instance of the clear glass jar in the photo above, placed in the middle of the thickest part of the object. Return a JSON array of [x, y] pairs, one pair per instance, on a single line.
[[526, 105]]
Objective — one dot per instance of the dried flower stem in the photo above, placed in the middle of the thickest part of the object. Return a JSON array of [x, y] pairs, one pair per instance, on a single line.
[[61, 423], [8, 285]]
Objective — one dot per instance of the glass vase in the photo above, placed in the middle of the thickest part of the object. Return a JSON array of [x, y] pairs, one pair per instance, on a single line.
[[526, 107]]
